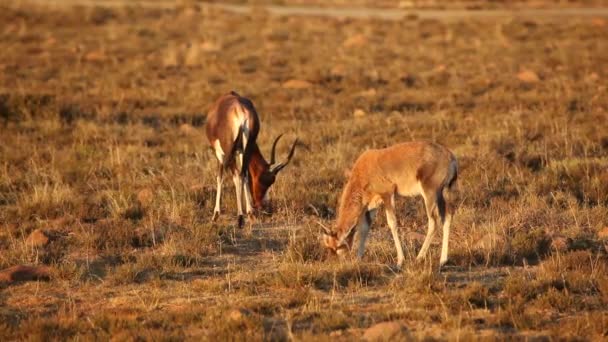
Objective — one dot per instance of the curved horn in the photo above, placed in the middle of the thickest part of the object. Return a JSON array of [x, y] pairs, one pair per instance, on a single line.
[[280, 166], [274, 145]]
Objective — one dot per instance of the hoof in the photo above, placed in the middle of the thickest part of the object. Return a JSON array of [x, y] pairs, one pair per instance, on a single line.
[[216, 214], [241, 221]]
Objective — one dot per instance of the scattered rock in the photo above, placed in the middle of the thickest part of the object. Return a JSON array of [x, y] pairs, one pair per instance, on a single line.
[[599, 22], [38, 238], [24, 273], [338, 71], [359, 113], [145, 197], [528, 76], [387, 331], [592, 77], [193, 55], [603, 234], [357, 40], [489, 242], [369, 93], [297, 84], [210, 47], [559, 244], [187, 129], [95, 56], [238, 314], [171, 57]]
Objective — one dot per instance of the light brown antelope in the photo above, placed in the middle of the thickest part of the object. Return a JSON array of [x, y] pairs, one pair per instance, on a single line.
[[407, 169], [232, 129]]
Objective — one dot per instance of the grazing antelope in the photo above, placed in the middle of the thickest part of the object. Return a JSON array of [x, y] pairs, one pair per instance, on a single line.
[[232, 129], [407, 169]]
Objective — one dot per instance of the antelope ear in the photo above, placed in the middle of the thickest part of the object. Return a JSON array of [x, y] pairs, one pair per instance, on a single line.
[[326, 230], [348, 235], [328, 241]]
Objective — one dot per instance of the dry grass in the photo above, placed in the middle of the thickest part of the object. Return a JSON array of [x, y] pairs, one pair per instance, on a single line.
[[102, 144]]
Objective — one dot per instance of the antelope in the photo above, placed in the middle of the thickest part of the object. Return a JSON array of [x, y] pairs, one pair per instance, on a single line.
[[406, 169], [232, 129]]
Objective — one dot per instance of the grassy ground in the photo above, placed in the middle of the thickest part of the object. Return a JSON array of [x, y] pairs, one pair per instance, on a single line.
[[429, 4], [102, 146]]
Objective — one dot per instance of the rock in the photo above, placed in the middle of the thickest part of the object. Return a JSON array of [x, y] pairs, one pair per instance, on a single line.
[[603, 234], [193, 55], [528, 76], [369, 93], [187, 129], [357, 40], [171, 57], [387, 331], [599, 22], [38, 238], [489, 242], [210, 47], [95, 56], [338, 71], [559, 244], [238, 314], [359, 113], [24, 273], [297, 84], [145, 197]]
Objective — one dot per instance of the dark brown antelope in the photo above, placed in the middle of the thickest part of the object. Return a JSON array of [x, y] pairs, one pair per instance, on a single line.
[[232, 129], [407, 169]]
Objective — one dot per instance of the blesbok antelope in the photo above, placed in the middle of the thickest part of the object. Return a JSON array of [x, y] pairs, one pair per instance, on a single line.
[[232, 129], [407, 169]]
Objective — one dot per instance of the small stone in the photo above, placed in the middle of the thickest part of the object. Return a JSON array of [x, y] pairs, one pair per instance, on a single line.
[[193, 56], [559, 243], [210, 47], [598, 22], [338, 71], [238, 314], [187, 129], [357, 40], [528, 76], [359, 113], [369, 93], [297, 84], [603, 234], [387, 331], [24, 273], [95, 56], [145, 197], [38, 238]]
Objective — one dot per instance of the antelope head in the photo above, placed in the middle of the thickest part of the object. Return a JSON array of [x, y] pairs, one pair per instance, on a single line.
[[337, 244], [264, 175]]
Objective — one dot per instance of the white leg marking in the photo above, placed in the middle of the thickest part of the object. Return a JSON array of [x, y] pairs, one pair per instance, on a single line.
[[238, 186], [248, 200], [430, 207], [218, 195], [392, 224], [219, 153], [446, 234]]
